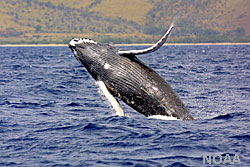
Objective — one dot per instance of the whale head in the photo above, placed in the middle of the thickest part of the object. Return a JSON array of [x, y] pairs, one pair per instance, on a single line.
[[82, 47], [94, 56]]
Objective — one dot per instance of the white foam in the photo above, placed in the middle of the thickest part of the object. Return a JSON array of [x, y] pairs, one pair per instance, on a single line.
[[162, 117]]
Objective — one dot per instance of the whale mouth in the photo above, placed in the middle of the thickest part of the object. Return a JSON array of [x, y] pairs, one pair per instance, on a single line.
[[79, 42], [73, 42], [72, 46]]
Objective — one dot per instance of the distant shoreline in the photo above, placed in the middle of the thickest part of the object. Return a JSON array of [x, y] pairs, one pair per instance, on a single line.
[[135, 44]]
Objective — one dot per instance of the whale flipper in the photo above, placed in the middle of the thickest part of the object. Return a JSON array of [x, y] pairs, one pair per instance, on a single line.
[[153, 48], [113, 101]]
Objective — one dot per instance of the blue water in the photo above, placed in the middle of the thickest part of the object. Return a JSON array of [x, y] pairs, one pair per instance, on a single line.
[[51, 113]]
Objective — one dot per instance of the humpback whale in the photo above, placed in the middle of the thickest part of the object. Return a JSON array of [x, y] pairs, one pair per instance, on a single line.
[[121, 74]]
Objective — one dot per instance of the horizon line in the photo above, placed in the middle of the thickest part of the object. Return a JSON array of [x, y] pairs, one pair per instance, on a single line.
[[132, 44]]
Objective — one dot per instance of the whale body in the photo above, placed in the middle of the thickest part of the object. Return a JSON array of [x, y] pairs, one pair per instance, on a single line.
[[121, 74]]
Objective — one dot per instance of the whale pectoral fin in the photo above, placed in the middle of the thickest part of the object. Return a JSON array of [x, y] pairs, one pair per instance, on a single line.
[[153, 48], [113, 101]]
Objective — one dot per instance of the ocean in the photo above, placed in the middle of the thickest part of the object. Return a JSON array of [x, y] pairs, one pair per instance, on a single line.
[[52, 114]]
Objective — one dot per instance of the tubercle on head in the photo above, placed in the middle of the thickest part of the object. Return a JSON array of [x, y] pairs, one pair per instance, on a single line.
[[75, 41]]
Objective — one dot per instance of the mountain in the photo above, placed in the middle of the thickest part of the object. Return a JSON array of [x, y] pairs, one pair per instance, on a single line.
[[203, 20], [124, 21]]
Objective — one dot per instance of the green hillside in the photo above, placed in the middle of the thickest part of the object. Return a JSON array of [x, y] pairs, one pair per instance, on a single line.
[[124, 21]]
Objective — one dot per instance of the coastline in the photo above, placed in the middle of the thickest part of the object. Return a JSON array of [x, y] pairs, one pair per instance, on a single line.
[[135, 44], [148, 44]]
